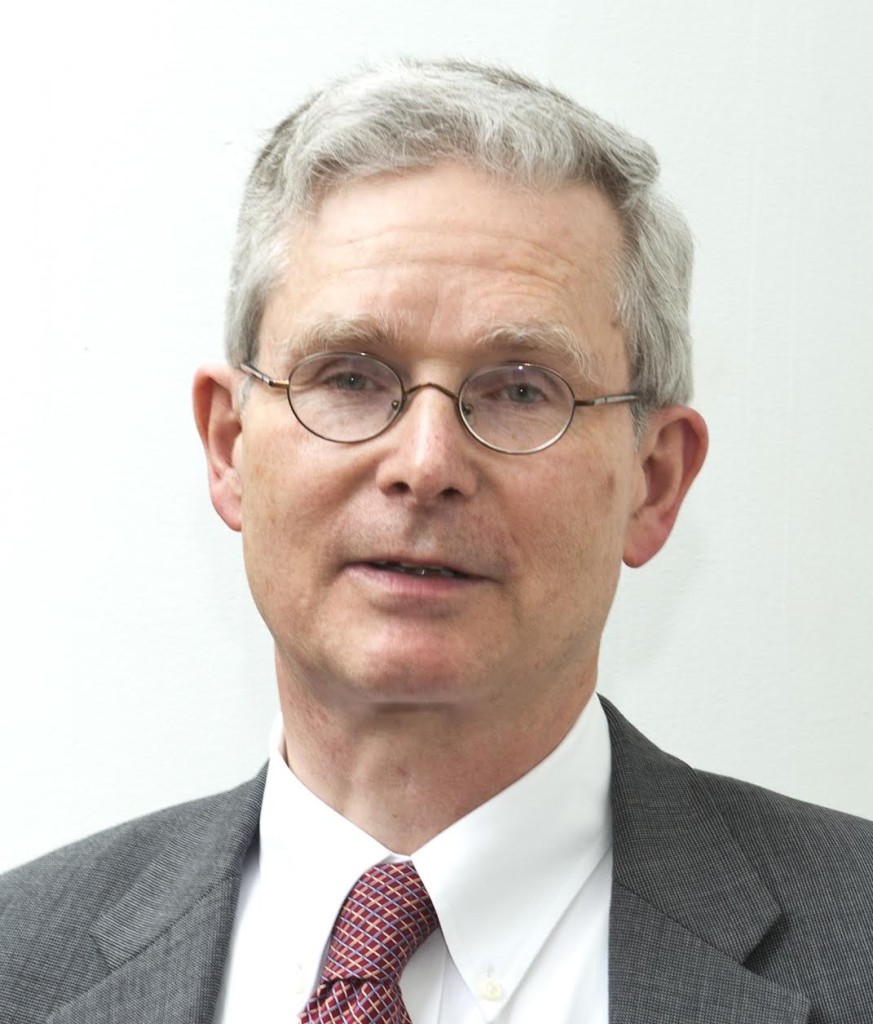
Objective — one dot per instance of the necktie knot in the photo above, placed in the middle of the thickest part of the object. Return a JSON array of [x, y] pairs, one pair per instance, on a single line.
[[385, 918]]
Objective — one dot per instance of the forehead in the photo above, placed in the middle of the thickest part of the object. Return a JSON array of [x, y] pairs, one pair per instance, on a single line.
[[454, 261]]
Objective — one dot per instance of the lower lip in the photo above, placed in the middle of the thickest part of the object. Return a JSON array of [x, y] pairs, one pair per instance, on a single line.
[[411, 585]]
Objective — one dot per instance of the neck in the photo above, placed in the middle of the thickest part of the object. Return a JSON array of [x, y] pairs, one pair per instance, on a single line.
[[405, 772]]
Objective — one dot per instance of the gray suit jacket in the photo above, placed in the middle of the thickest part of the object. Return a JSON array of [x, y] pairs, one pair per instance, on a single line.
[[729, 904]]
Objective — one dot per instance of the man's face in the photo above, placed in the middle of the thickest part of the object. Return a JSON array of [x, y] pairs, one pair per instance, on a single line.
[[442, 256]]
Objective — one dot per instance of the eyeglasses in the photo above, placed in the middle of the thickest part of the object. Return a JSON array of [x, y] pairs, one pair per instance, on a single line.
[[349, 397]]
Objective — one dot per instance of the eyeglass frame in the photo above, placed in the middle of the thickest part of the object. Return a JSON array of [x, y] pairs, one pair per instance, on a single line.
[[405, 393]]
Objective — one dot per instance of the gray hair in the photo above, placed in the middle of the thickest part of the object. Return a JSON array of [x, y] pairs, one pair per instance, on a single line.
[[416, 114]]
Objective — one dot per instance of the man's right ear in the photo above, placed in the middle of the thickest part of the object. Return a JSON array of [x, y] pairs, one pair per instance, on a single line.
[[217, 412]]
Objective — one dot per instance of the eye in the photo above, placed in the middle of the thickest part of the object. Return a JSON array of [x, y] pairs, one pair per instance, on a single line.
[[523, 394], [343, 374], [348, 382], [516, 386]]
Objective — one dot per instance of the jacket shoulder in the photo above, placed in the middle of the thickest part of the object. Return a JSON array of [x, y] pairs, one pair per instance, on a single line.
[[773, 828], [785, 838], [783, 887], [818, 865], [49, 906]]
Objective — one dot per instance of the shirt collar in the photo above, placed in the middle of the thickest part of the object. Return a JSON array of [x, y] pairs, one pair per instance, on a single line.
[[306, 880], [521, 856]]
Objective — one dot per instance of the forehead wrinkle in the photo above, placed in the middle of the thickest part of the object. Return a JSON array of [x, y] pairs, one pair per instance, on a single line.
[[526, 259]]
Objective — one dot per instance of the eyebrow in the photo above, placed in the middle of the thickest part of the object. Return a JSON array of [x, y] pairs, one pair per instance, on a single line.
[[356, 332], [386, 332], [540, 338]]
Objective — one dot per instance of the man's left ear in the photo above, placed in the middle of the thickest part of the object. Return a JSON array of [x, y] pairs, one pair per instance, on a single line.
[[671, 453]]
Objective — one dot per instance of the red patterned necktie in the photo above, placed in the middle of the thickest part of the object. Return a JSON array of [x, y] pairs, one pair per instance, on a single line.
[[385, 918]]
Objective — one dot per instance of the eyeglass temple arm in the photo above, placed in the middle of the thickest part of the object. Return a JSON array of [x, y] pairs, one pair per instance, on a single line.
[[606, 400], [253, 371]]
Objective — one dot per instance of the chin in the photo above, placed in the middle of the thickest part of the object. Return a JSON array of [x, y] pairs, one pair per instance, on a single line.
[[413, 681]]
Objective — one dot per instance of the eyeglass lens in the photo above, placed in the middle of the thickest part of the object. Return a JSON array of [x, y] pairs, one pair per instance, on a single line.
[[347, 397]]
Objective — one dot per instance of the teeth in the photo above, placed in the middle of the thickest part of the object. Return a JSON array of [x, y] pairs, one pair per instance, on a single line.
[[419, 570]]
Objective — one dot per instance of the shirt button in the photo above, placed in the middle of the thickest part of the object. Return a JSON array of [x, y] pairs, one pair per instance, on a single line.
[[490, 989]]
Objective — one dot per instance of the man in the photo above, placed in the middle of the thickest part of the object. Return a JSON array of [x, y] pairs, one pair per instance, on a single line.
[[472, 298]]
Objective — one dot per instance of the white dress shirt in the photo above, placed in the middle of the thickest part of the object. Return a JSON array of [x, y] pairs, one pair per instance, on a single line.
[[521, 886]]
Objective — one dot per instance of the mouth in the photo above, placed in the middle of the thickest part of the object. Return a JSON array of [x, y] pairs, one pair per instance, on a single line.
[[417, 569]]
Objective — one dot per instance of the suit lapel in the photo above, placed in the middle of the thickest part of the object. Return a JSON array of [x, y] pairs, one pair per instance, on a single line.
[[165, 941], [687, 906]]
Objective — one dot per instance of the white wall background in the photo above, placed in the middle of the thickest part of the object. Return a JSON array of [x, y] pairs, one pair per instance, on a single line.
[[134, 671]]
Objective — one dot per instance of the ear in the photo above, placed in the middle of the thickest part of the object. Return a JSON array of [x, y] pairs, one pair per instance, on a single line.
[[217, 412], [671, 454]]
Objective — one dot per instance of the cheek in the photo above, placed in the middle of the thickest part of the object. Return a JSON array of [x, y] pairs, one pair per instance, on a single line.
[[294, 493], [607, 519], [272, 536], [268, 503], [581, 527], [262, 487]]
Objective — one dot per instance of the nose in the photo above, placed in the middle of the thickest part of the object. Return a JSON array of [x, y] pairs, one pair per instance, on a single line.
[[428, 453]]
